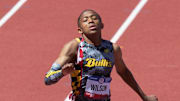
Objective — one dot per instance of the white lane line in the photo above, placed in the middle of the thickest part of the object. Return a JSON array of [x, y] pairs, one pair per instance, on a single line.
[[11, 12], [124, 26], [128, 21]]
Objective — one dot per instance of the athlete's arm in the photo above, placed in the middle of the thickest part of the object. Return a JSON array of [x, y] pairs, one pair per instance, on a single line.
[[127, 76], [60, 67]]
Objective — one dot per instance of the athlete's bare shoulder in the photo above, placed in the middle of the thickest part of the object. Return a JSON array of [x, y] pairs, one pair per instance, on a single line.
[[71, 46], [68, 52], [116, 47], [117, 50], [73, 43]]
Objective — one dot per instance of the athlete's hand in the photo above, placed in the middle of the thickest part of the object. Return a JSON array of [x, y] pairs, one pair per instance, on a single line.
[[68, 68], [151, 98]]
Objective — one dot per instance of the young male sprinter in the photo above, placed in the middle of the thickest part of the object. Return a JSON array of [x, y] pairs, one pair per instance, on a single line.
[[94, 58]]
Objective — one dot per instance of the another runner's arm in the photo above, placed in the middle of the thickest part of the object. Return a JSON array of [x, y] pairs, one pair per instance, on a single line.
[[60, 67], [125, 73]]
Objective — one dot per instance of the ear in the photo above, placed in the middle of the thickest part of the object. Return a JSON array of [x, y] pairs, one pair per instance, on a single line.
[[80, 30], [102, 25]]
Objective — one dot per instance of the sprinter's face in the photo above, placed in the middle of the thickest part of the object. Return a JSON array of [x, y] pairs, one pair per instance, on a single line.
[[90, 23]]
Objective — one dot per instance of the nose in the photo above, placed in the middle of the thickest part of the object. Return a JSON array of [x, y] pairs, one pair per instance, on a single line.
[[90, 20]]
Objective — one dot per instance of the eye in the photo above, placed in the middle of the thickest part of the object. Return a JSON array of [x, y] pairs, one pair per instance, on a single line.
[[94, 17], [84, 19]]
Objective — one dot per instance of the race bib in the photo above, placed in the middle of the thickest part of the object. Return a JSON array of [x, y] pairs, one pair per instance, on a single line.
[[98, 85]]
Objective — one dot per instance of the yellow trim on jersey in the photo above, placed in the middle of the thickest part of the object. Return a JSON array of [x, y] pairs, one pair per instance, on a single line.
[[75, 73], [72, 83], [79, 78], [77, 39], [79, 84], [52, 72], [76, 92], [74, 87]]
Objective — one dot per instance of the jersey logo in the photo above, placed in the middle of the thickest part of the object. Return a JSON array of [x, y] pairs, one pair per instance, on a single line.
[[91, 62], [106, 51]]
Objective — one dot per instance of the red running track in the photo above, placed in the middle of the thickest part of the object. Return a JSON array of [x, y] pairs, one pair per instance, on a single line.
[[32, 39]]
